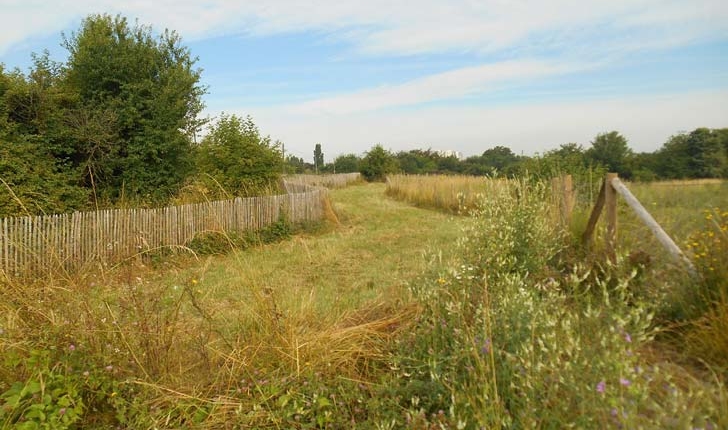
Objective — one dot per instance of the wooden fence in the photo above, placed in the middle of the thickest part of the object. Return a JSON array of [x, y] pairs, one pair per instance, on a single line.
[[607, 202], [36, 244]]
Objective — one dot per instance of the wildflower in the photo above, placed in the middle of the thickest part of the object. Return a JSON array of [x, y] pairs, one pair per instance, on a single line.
[[72, 347], [601, 386], [62, 411], [109, 368], [86, 373], [625, 382], [627, 338], [485, 349]]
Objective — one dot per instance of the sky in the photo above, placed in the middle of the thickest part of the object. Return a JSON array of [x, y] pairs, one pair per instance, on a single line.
[[464, 75]]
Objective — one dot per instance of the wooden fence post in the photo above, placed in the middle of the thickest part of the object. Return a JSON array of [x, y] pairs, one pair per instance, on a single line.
[[588, 235], [610, 202], [563, 193]]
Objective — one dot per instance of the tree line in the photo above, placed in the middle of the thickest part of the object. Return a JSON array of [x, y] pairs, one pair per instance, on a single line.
[[701, 153], [117, 123]]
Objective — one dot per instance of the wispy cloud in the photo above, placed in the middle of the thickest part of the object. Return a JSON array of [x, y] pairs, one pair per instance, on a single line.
[[453, 84], [398, 27]]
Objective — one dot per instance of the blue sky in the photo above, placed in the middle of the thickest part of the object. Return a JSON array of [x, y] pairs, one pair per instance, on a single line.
[[459, 74]]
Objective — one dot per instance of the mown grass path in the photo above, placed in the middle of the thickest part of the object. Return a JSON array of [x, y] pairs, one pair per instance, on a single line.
[[373, 253]]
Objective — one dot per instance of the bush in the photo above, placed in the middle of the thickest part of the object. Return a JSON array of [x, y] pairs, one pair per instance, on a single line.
[[378, 163]]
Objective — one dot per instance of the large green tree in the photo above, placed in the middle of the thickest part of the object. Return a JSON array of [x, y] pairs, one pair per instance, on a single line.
[[318, 158], [139, 99], [611, 151], [702, 153]]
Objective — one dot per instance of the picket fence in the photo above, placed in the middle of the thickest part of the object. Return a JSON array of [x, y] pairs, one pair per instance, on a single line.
[[35, 244]]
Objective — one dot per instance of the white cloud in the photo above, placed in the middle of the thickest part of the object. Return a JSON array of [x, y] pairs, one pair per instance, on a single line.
[[398, 27], [453, 84], [646, 121]]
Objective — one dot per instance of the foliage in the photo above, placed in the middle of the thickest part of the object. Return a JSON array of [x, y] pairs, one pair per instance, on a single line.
[[318, 158], [519, 338], [153, 90], [495, 161], [378, 163], [611, 151], [700, 154], [709, 248], [347, 163], [33, 180], [223, 242], [234, 158], [295, 164]]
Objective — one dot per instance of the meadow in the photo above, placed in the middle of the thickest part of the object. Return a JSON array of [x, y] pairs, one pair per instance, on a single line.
[[390, 316]]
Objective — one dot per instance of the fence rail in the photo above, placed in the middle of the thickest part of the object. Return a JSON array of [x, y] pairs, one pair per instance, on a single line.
[[607, 201], [36, 244]]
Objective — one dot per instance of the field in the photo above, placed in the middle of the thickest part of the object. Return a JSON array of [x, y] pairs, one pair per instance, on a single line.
[[390, 316]]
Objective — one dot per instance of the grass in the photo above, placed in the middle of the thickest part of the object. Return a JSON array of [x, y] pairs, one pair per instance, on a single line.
[[396, 317], [254, 337], [528, 333], [454, 194]]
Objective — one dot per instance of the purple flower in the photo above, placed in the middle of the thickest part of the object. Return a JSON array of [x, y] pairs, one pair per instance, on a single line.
[[625, 382], [628, 338], [109, 368], [485, 348], [72, 347], [62, 411], [614, 412], [601, 386]]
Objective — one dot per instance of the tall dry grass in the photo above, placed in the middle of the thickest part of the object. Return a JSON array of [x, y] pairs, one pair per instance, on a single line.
[[454, 194]]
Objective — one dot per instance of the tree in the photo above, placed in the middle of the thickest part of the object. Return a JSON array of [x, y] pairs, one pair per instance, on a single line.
[[347, 163], [418, 162], [701, 153], [295, 164], [235, 156], [318, 158], [150, 91], [611, 151], [378, 163], [32, 181]]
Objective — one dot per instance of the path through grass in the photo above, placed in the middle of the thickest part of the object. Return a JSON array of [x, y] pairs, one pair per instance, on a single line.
[[253, 337]]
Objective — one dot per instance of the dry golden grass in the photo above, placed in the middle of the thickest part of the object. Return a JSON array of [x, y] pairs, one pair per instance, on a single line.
[[455, 194], [231, 333]]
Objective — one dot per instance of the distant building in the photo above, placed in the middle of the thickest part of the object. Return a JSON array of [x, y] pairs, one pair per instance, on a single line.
[[450, 153]]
